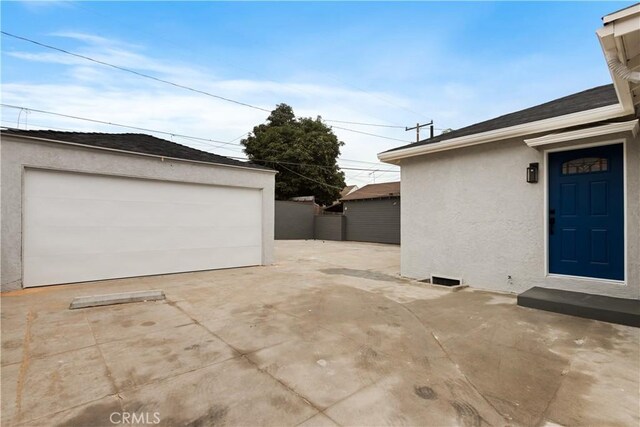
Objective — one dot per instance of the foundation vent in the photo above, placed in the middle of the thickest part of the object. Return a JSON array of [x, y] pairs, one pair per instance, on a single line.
[[445, 281]]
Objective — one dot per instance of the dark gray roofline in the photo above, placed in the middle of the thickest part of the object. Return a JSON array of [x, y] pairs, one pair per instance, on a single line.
[[600, 96], [132, 143]]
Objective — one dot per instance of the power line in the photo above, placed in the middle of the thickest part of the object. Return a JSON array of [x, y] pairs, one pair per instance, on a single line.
[[173, 134], [248, 70], [282, 163], [371, 134], [252, 71], [12, 125], [69, 116], [311, 179], [178, 85], [137, 73], [364, 124], [360, 191]]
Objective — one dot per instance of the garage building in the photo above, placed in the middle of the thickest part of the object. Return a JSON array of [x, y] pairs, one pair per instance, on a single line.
[[90, 206]]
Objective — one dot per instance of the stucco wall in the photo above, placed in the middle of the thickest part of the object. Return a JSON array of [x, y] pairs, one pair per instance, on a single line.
[[16, 154], [470, 213]]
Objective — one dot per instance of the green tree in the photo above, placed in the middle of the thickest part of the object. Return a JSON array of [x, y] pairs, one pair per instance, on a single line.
[[304, 151]]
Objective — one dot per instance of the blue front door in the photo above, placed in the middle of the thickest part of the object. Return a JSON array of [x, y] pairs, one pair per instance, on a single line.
[[586, 212]]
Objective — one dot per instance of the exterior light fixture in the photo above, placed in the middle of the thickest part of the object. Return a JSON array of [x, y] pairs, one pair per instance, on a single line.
[[532, 173]]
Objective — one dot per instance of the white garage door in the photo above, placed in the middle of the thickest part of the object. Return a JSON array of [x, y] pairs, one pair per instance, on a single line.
[[79, 227]]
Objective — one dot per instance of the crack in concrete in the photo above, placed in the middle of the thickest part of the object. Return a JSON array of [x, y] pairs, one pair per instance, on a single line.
[[24, 366], [244, 356], [545, 412], [106, 366], [454, 363]]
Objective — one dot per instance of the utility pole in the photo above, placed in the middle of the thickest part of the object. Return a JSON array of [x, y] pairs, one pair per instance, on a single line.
[[417, 128]]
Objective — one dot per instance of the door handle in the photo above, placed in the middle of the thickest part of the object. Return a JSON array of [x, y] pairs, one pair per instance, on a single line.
[[552, 220]]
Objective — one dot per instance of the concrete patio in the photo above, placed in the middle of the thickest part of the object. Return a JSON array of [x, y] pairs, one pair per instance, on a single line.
[[329, 335]]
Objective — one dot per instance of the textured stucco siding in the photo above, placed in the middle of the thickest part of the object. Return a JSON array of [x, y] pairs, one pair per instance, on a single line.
[[294, 220], [329, 227], [17, 154], [470, 213], [375, 220]]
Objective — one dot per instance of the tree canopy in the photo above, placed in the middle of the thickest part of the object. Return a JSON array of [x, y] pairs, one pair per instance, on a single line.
[[303, 150]]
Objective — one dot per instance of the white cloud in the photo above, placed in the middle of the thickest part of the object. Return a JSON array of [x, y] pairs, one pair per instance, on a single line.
[[91, 90], [97, 92]]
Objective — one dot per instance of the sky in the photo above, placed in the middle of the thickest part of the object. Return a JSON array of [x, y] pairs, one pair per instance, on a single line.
[[384, 63]]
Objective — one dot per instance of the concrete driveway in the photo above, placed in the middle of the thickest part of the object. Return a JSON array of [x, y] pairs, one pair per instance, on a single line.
[[330, 335]]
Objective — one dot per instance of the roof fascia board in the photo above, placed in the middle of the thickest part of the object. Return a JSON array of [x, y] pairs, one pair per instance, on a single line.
[[606, 36], [370, 198], [629, 126], [135, 153], [565, 121], [624, 13]]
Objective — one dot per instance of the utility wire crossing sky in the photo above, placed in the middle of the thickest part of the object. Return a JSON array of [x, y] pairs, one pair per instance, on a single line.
[[205, 73]]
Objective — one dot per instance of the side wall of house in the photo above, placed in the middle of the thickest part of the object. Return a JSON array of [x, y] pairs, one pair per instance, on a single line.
[[16, 154], [470, 213]]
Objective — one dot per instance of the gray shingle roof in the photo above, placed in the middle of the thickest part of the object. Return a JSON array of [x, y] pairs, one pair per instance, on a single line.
[[133, 142], [600, 96]]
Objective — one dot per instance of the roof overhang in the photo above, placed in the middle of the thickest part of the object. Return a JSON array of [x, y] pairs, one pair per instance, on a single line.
[[581, 134], [620, 36], [620, 39], [363, 199], [561, 122], [135, 153]]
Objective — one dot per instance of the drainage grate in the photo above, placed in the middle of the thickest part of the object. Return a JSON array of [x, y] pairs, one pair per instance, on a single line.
[[445, 281]]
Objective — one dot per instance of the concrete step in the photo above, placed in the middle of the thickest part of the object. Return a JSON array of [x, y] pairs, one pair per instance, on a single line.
[[608, 309]]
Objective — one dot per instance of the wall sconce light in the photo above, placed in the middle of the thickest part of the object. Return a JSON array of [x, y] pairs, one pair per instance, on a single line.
[[532, 173]]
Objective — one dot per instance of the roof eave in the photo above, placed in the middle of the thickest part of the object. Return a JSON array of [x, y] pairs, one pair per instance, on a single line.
[[390, 196], [553, 123], [620, 14], [609, 38], [630, 126], [136, 153]]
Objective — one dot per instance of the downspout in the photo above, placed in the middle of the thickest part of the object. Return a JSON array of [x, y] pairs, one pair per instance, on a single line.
[[620, 69]]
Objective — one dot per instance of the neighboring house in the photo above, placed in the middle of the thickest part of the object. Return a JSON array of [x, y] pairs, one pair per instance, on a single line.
[[337, 206], [548, 196], [373, 213], [348, 190], [89, 206]]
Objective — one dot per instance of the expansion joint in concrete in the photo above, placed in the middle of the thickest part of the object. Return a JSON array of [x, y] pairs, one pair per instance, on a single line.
[[415, 316]]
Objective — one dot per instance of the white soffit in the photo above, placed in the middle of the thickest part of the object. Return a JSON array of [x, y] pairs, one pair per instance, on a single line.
[[629, 126], [620, 38]]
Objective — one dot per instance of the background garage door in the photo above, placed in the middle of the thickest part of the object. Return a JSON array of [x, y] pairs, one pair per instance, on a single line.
[[79, 227]]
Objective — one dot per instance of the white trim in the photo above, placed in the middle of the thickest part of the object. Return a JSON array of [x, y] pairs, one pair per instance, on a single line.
[[629, 126], [609, 47], [546, 125], [624, 13], [545, 181], [135, 153]]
